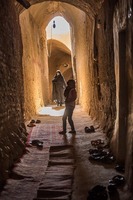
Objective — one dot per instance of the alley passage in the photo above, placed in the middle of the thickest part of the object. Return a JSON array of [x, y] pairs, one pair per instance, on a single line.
[[31, 177]]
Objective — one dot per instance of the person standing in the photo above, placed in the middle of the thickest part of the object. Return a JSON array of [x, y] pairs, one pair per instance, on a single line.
[[70, 94], [59, 86]]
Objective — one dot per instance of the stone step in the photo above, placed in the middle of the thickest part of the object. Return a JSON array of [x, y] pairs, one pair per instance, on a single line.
[[49, 193]]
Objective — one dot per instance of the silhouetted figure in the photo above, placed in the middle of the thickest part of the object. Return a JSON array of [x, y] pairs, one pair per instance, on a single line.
[[70, 97], [59, 86]]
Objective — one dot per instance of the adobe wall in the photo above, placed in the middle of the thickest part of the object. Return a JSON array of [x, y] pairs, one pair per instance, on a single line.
[[35, 65], [122, 141], [12, 129], [101, 76]]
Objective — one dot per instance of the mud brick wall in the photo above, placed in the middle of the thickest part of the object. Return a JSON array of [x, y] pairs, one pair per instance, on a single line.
[[11, 88], [12, 129]]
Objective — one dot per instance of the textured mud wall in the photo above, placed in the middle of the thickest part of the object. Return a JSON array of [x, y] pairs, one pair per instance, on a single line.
[[11, 88], [35, 65], [101, 76], [129, 168], [119, 27], [122, 141], [12, 132]]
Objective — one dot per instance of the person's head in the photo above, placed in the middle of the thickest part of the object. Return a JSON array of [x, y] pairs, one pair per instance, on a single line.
[[58, 72], [71, 83]]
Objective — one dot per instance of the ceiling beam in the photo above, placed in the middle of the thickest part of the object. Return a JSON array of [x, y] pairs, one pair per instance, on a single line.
[[24, 3]]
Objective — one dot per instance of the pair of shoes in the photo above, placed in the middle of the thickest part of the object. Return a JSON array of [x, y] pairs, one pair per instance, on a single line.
[[35, 121], [38, 121], [62, 132], [36, 142], [72, 131], [89, 129], [31, 124]]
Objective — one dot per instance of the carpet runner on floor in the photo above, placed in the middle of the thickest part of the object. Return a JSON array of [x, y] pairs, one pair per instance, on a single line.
[[57, 181], [48, 133]]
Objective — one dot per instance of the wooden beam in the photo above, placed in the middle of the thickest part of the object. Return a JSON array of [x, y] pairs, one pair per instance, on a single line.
[[24, 3]]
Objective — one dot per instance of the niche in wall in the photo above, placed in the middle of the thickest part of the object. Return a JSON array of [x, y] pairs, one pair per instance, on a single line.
[[123, 94]]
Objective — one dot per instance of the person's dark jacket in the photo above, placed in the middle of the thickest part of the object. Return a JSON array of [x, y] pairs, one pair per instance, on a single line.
[[70, 96]]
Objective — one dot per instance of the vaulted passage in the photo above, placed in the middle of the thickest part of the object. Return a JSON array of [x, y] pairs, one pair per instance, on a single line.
[[43, 67], [96, 53]]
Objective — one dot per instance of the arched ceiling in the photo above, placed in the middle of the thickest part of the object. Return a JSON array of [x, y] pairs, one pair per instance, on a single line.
[[58, 46], [43, 13], [85, 5]]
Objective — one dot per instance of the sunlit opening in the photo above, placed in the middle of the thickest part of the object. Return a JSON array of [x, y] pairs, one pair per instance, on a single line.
[[59, 29]]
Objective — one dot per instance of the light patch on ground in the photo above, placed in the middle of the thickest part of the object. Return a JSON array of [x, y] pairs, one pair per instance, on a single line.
[[51, 111]]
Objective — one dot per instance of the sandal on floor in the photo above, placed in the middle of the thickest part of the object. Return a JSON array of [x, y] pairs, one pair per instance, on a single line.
[[62, 132], [31, 124]]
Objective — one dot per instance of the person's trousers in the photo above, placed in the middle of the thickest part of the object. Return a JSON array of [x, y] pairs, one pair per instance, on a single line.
[[68, 114]]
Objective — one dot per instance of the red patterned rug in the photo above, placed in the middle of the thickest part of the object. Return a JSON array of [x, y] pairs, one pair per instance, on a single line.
[[48, 133]]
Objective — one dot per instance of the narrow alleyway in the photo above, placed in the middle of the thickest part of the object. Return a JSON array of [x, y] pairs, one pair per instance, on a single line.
[[99, 58], [30, 170]]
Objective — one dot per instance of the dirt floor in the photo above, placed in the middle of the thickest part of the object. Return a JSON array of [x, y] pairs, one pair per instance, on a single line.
[[30, 171]]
